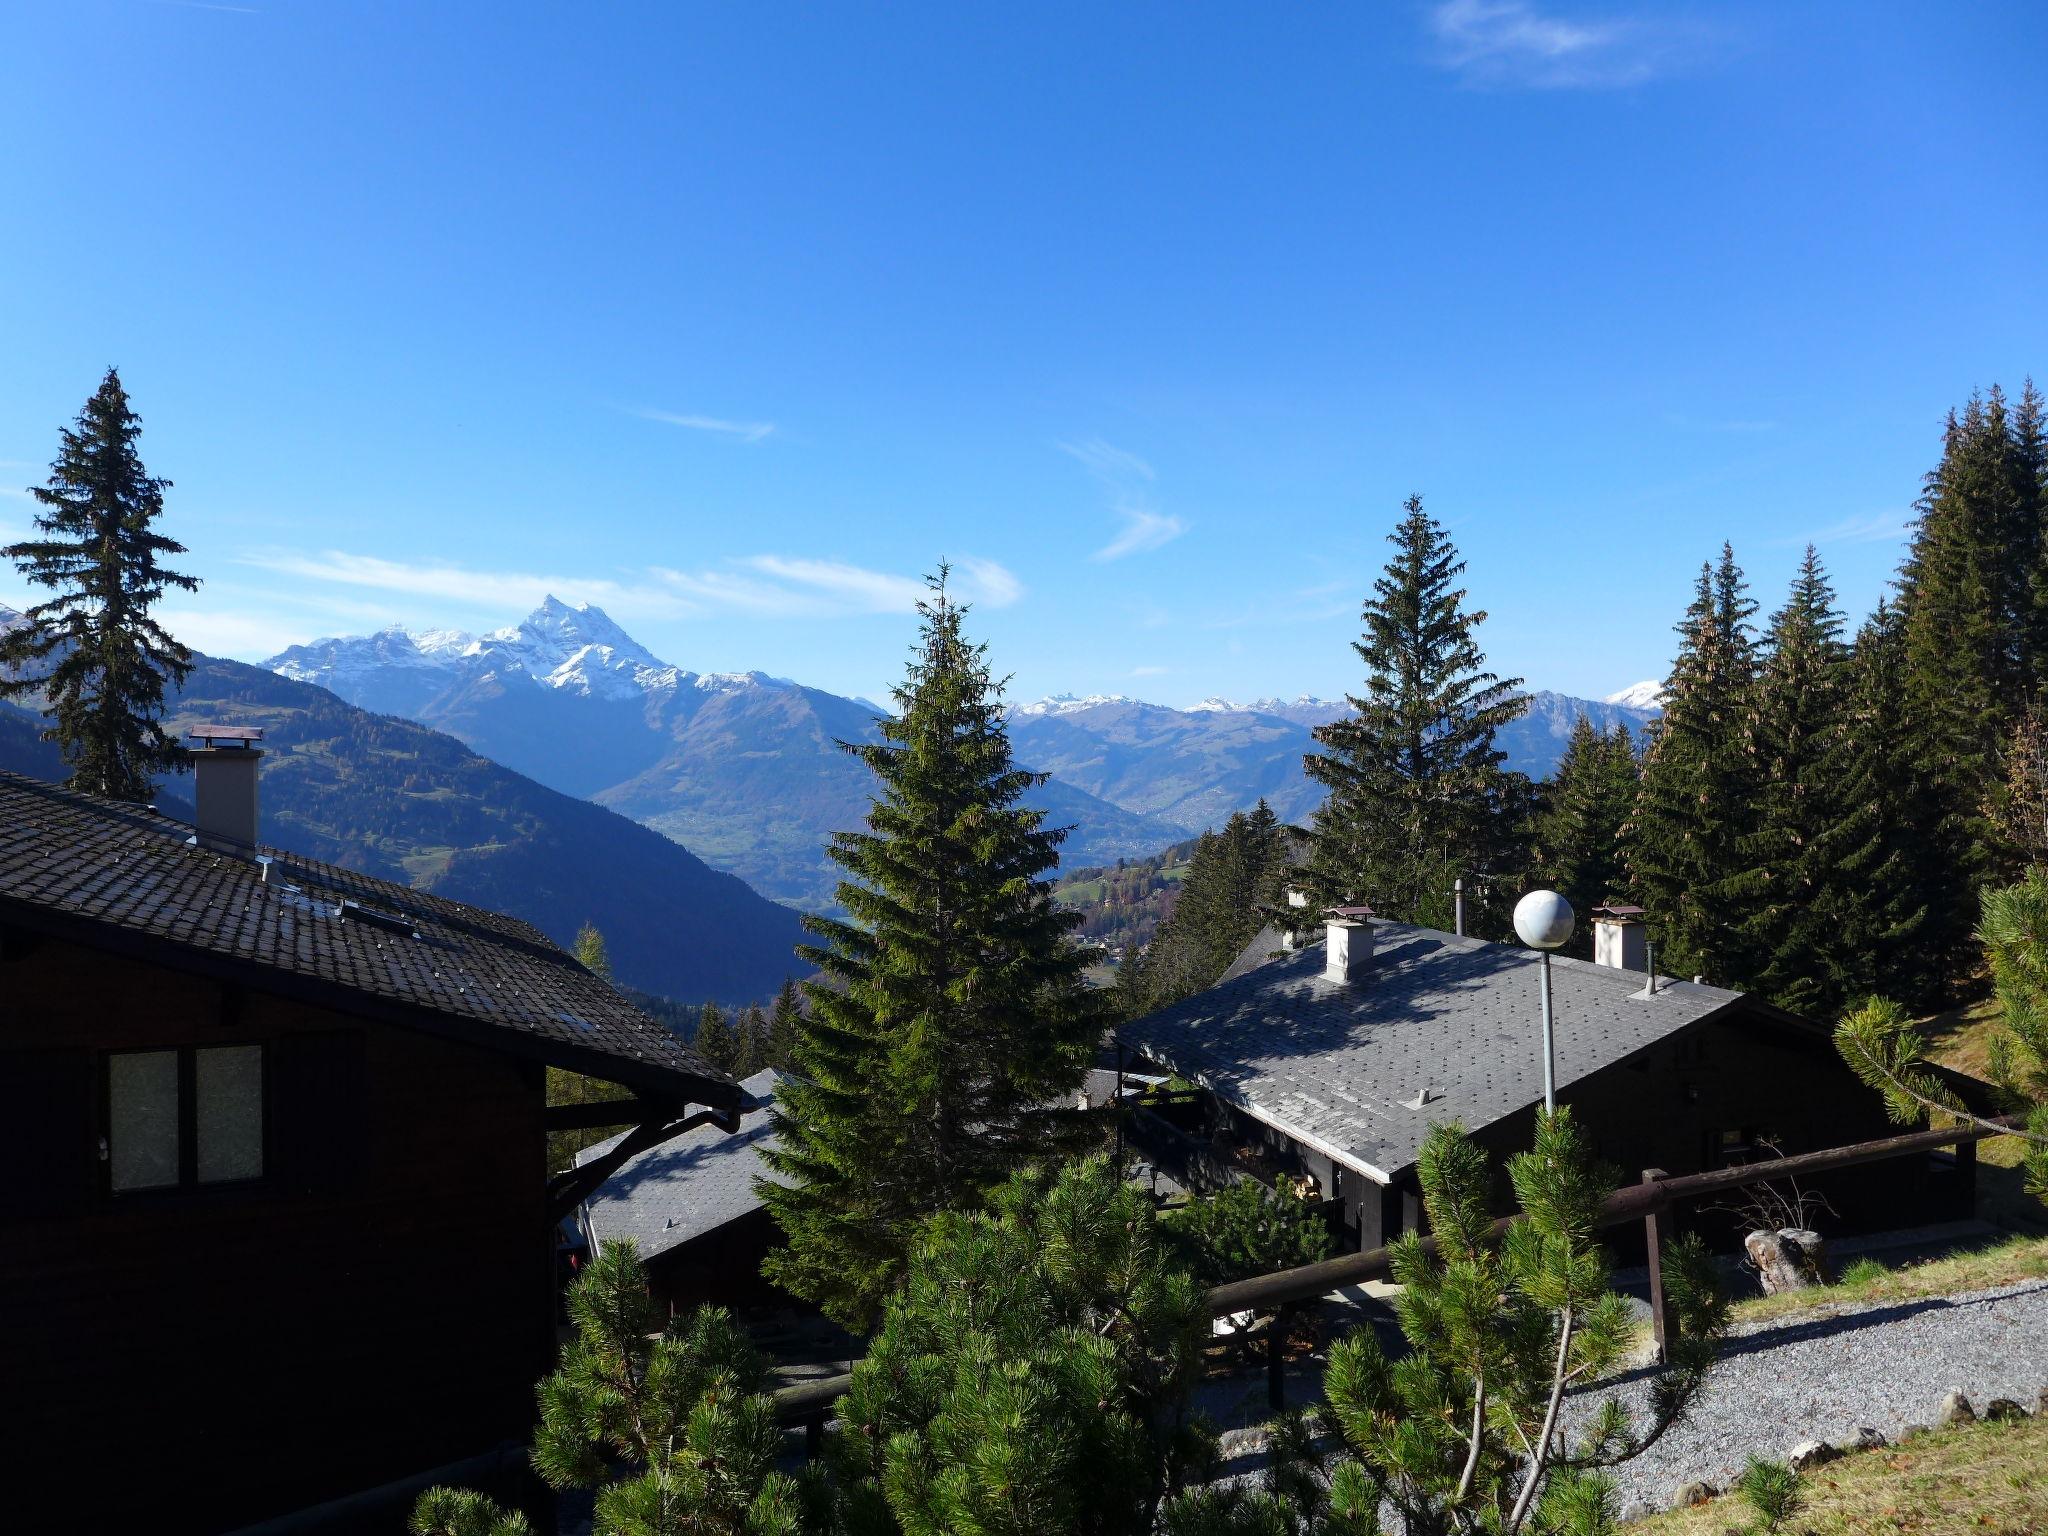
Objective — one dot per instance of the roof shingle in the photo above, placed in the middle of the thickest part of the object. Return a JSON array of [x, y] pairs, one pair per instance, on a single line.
[[1338, 1066], [76, 858]]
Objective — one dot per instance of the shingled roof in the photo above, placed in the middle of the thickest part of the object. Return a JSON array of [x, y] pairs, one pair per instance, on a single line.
[[121, 877], [1338, 1067], [689, 1185]]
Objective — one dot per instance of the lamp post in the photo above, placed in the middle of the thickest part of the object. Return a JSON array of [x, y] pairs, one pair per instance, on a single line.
[[1543, 921]]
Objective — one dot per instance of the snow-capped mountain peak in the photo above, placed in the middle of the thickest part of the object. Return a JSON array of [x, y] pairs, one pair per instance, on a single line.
[[578, 647], [1643, 695], [1068, 704]]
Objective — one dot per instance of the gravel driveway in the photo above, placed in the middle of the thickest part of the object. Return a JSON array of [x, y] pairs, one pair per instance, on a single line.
[[1822, 1378]]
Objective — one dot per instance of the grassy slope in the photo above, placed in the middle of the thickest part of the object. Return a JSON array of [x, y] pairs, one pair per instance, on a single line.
[[2002, 1263], [1983, 1480]]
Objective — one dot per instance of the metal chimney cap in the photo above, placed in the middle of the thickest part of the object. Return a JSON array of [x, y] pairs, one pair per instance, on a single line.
[[233, 737], [1543, 920], [1348, 914]]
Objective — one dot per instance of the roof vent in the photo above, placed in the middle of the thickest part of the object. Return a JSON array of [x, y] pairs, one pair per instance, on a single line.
[[1424, 1099], [1618, 936], [390, 922], [1347, 944]]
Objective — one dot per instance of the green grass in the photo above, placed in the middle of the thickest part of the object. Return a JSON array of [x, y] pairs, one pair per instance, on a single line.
[[1981, 1480], [1866, 1281]]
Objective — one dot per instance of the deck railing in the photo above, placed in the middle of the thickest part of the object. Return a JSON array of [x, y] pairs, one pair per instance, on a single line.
[[1649, 1201]]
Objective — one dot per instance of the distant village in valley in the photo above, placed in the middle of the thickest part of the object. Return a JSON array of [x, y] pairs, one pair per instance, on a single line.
[[1094, 771]]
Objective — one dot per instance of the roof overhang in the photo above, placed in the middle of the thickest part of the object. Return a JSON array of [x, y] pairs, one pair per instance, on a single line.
[[656, 1083]]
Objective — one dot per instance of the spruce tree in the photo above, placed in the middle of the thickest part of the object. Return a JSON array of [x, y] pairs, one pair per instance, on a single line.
[[955, 1007], [1686, 849], [1967, 601], [1791, 939], [1881, 890], [784, 1020], [94, 652], [1224, 897], [1578, 833], [716, 1040], [1417, 793]]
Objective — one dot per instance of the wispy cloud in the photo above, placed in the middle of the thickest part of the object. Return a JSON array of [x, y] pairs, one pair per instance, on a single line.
[[1128, 480], [745, 431], [1513, 44], [764, 585], [1876, 528], [1150, 671], [1304, 605]]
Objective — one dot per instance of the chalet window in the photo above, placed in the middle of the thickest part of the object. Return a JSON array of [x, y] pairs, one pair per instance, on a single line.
[[184, 1117]]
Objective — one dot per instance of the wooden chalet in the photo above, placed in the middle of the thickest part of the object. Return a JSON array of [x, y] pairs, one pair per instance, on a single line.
[[1326, 1066], [277, 1226]]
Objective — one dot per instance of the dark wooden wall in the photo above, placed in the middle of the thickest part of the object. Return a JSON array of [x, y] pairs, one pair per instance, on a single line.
[[194, 1360]]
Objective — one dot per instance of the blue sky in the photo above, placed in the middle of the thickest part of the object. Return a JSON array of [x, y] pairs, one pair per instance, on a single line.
[[734, 318]]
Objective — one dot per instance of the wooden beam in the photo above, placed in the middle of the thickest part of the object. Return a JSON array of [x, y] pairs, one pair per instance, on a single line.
[[598, 1113]]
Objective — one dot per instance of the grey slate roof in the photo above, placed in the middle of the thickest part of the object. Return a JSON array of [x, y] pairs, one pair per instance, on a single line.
[[689, 1185], [123, 876], [1268, 943], [1331, 1065]]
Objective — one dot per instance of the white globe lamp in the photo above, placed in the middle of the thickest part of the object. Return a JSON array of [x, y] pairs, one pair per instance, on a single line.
[[1543, 921]]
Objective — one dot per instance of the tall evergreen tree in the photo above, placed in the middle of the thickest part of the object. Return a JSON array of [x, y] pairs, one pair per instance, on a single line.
[[785, 1018], [1232, 878], [716, 1040], [1791, 938], [1578, 833], [1967, 603], [955, 1006], [94, 651], [1686, 844], [591, 953], [1418, 796], [1881, 892]]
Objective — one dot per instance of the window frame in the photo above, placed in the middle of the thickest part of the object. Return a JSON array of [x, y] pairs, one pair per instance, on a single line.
[[189, 1186]]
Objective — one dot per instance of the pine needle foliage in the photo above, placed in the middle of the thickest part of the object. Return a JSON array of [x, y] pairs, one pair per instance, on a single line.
[[1771, 1489], [1578, 833], [1879, 1040], [1970, 592], [1232, 880], [1417, 793], [1247, 1229], [668, 1424], [1689, 858], [954, 1005], [1463, 1433], [716, 1041], [94, 653], [1032, 1373]]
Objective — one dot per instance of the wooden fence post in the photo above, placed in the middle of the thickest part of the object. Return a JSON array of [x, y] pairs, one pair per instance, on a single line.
[[1653, 1246], [1276, 1363]]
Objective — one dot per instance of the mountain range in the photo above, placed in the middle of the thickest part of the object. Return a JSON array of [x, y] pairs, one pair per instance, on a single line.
[[745, 769], [381, 794]]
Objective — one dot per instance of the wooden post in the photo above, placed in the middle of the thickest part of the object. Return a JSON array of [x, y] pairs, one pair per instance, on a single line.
[[1653, 1246], [1276, 1363]]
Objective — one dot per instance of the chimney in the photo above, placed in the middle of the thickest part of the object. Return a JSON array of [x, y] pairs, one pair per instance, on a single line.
[[224, 787], [1618, 936], [1347, 945]]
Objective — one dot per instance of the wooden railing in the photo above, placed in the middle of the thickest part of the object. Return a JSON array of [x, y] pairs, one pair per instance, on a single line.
[[811, 1402]]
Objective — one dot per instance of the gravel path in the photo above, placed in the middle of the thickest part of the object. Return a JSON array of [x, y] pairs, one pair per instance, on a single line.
[[1823, 1378]]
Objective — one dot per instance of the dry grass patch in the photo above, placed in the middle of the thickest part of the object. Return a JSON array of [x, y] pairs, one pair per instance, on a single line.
[[2002, 1263], [1983, 1480]]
